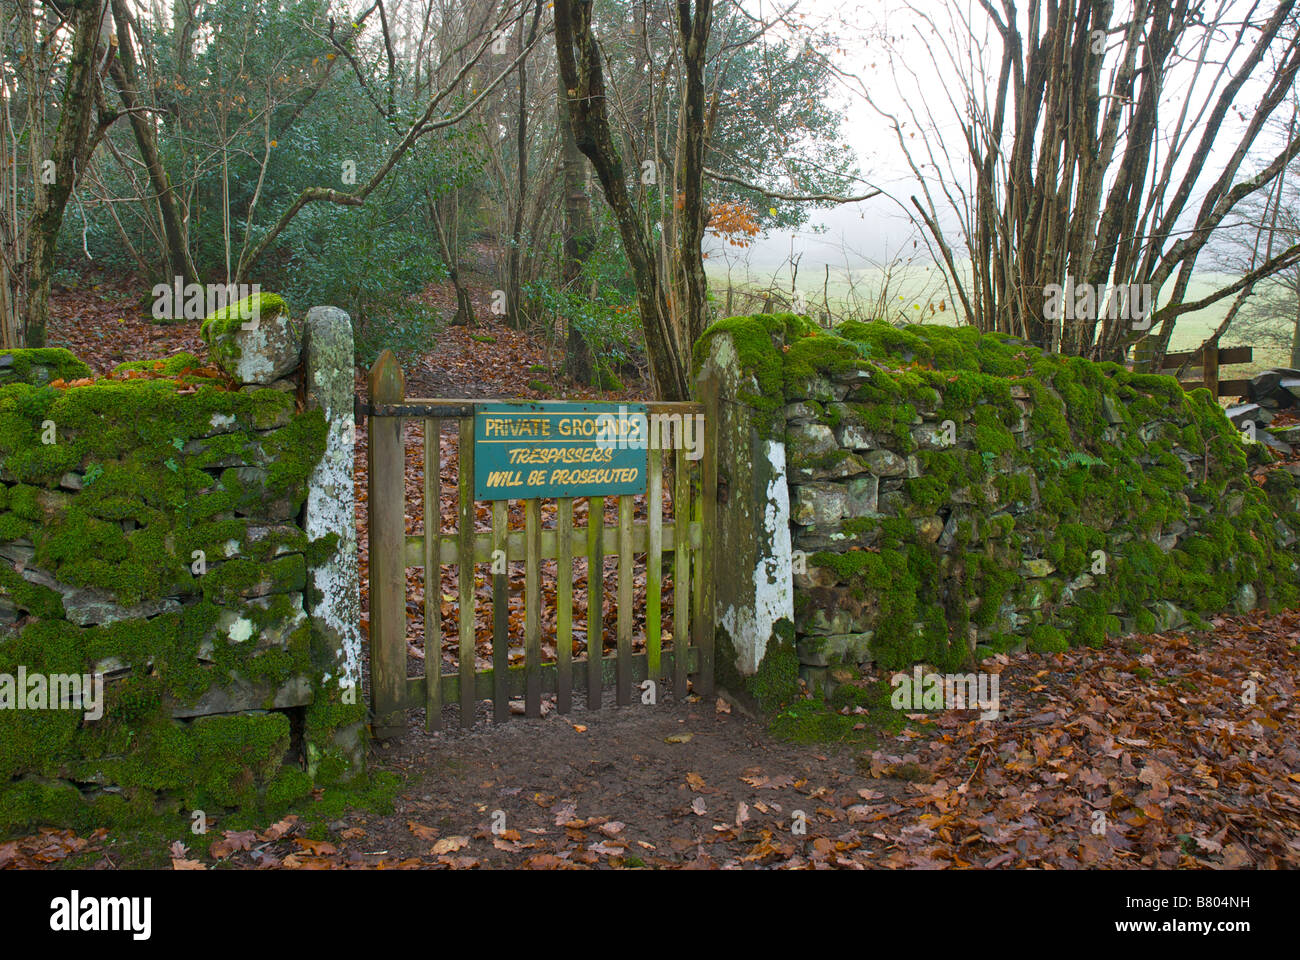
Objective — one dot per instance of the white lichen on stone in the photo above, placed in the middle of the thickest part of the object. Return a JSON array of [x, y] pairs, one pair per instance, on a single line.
[[750, 628], [240, 630]]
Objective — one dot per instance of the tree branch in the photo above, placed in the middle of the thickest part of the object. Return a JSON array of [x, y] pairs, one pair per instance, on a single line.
[[792, 197]]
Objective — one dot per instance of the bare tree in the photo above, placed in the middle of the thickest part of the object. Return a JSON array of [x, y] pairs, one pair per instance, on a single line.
[[126, 76], [53, 165], [1078, 157], [1271, 317]]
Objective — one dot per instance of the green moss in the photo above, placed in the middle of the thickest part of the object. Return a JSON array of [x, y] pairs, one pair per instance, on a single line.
[[814, 720], [1045, 639], [232, 579], [776, 683], [991, 435], [758, 341], [42, 365], [220, 330], [30, 598], [320, 550], [148, 457], [1078, 479], [927, 492], [172, 366], [33, 801], [263, 306]]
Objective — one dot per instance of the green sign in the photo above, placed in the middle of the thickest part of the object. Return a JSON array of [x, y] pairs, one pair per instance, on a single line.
[[524, 451]]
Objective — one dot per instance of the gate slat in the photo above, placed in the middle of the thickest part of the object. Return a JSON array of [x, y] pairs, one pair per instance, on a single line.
[[532, 610], [654, 575], [466, 576], [432, 573], [564, 606], [681, 571], [595, 597], [500, 615], [626, 569]]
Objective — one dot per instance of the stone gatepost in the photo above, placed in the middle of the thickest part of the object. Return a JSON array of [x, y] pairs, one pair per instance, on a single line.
[[333, 582], [752, 571]]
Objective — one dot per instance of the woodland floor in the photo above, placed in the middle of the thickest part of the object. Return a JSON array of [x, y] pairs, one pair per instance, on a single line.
[[1140, 754]]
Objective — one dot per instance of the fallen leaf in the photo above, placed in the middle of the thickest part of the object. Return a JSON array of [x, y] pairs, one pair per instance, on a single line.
[[449, 845], [427, 834]]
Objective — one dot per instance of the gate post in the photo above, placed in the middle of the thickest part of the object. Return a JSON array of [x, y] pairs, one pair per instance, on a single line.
[[750, 587], [334, 594], [387, 502], [708, 622]]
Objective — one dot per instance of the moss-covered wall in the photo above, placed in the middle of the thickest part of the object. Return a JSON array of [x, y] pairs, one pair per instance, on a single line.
[[151, 531], [950, 490]]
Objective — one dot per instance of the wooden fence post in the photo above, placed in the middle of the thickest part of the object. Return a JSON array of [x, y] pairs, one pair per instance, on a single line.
[[1210, 369], [387, 508]]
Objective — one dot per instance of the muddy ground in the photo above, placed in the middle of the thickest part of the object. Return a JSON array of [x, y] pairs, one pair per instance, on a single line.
[[696, 784]]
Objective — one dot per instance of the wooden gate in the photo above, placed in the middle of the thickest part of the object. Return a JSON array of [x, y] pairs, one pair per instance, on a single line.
[[685, 536]]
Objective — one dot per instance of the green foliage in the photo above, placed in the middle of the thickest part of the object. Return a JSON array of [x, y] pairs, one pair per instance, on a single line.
[[255, 116], [600, 304], [361, 261]]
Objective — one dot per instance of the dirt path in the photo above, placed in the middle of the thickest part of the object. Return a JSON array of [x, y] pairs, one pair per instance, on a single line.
[[678, 784]]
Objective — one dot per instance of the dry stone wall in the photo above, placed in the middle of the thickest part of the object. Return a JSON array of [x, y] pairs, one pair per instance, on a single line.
[[179, 539], [952, 494]]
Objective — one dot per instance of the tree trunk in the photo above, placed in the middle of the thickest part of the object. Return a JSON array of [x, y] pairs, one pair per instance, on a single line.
[[514, 268], [68, 156], [578, 236], [1295, 339], [123, 69], [580, 67], [693, 285], [464, 316]]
